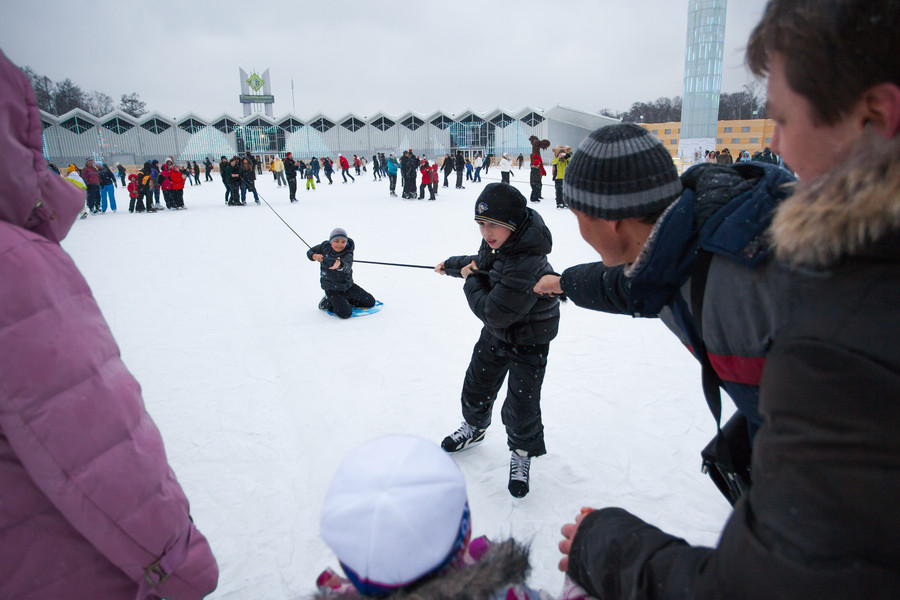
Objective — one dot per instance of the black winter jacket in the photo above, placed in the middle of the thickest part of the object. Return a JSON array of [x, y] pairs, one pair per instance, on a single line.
[[340, 279], [247, 174], [290, 168], [106, 176], [822, 518], [500, 293]]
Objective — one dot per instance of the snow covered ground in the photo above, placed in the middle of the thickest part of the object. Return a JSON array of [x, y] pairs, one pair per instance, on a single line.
[[259, 395]]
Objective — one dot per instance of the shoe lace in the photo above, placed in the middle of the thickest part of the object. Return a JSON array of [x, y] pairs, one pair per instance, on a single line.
[[518, 467], [465, 431]]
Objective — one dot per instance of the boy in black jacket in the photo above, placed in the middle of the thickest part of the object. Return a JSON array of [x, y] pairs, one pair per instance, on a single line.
[[518, 327], [336, 259]]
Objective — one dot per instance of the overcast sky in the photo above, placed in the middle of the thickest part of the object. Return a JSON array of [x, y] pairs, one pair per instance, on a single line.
[[365, 57]]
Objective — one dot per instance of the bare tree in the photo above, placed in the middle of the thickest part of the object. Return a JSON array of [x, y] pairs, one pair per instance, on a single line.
[[68, 96], [99, 104], [44, 90], [132, 104]]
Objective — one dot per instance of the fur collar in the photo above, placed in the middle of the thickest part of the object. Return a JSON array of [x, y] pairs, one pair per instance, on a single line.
[[503, 566], [844, 212]]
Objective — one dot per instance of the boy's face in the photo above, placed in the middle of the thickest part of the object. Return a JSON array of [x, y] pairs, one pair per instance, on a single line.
[[338, 244], [495, 235], [603, 237], [808, 147]]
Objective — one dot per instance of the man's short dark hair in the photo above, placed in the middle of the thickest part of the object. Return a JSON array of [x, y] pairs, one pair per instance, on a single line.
[[834, 50]]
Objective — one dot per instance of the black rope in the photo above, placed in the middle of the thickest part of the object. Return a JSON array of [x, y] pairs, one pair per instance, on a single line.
[[506, 278], [285, 222]]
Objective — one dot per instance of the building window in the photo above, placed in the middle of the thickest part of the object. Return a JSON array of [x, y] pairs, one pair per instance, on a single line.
[[668, 132], [77, 125], [224, 125], [726, 130], [745, 129], [532, 119], [768, 140], [156, 126], [655, 131], [718, 140], [292, 125], [382, 124], [735, 140], [412, 123], [502, 120], [754, 141], [353, 124], [192, 126], [673, 141], [442, 122], [322, 125]]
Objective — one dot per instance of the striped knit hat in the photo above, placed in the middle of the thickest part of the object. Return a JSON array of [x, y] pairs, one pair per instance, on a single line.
[[619, 172]]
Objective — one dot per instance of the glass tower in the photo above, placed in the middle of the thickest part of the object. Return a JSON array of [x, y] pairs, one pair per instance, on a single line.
[[702, 75]]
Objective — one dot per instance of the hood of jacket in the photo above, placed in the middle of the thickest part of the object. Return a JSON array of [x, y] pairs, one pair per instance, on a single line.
[[32, 197], [724, 210], [503, 566], [854, 210]]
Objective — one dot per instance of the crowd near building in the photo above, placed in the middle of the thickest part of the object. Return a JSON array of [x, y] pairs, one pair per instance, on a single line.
[[119, 137]]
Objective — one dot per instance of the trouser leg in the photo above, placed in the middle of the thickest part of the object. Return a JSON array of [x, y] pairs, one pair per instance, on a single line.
[[521, 411], [484, 376], [339, 304]]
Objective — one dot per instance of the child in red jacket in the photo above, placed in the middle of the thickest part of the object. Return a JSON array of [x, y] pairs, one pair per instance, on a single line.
[[134, 194], [177, 192]]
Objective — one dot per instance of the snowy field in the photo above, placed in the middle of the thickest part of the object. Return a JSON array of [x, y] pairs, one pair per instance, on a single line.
[[259, 395]]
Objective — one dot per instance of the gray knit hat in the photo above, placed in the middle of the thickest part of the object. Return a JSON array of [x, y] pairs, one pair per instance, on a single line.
[[337, 232], [621, 171]]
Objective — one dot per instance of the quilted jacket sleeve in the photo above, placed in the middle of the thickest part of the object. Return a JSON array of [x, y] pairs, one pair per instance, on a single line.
[[617, 555], [597, 287], [74, 416]]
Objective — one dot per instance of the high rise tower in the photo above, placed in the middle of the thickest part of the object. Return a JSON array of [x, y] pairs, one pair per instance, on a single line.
[[702, 76]]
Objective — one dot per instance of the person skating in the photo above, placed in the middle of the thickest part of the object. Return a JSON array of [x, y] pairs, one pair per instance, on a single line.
[[290, 172], [518, 327], [345, 168]]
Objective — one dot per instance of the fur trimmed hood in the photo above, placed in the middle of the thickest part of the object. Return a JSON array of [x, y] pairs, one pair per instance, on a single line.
[[504, 565], [847, 212]]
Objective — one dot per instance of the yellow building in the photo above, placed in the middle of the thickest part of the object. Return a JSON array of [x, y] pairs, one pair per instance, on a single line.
[[746, 134]]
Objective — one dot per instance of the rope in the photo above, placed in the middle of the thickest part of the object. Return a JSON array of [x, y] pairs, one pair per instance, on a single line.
[[505, 278]]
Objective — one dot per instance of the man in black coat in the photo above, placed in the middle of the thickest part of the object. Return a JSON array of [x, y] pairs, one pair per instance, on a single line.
[[821, 519], [447, 167], [460, 166]]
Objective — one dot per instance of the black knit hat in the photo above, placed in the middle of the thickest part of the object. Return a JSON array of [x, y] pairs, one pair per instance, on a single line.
[[502, 204], [621, 171]]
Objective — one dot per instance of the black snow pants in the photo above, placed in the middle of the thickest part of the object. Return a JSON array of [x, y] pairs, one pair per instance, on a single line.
[[491, 360], [535, 185], [342, 303]]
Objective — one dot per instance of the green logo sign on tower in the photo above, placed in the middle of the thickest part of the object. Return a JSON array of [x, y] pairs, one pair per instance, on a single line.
[[255, 82]]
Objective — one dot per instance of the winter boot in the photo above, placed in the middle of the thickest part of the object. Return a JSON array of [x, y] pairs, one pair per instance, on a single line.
[[323, 304], [465, 437], [519, 465]]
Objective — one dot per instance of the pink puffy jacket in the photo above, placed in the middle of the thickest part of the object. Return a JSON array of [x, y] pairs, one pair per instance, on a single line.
[[89, 507]]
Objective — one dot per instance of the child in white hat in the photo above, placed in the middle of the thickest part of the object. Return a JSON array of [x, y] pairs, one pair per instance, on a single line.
[[397, 517]]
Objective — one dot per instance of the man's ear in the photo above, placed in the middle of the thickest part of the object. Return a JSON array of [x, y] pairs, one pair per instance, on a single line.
[[881, 109]]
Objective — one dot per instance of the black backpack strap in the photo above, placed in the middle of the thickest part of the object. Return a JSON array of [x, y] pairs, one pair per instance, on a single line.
[[722, 455]]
